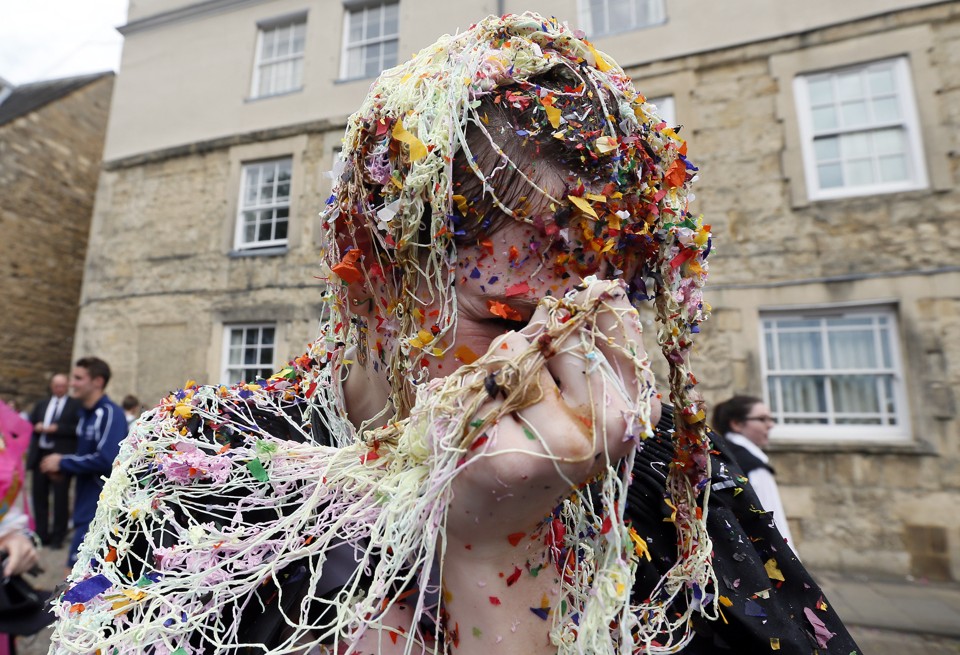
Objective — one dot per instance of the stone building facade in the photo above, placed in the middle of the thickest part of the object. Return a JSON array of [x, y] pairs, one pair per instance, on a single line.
[[51, 142], [827, 140]]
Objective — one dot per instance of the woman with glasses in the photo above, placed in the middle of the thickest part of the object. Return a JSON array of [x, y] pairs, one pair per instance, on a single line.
[[745, 421]]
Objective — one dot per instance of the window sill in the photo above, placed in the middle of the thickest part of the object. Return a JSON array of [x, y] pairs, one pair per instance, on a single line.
[[275, 251], [871, 447], [348, 80], [273, 95], [859, 193]]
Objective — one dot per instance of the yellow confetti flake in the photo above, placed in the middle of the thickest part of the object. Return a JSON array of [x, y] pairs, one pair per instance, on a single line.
[[774, 643], [726, 602], [606, 144], [602, 64], [417, 150], [553, 114], [461, 203], [422, 339], [773, 571], [639, 545], [183, 410], [596, 197], [583, 205]]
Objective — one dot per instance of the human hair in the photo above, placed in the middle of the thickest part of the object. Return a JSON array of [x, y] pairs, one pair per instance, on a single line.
[[733, 409], [96, 367], [130, 402]]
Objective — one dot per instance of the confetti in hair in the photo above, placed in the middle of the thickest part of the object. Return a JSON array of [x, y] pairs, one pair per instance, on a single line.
[[223, 501]]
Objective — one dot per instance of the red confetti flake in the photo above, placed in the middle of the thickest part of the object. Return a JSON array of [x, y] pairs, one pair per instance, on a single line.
[[606, 525], [369, 457], [677, 174], [519, 289], [515, 538], [682, 257], [514, 254], [494, 600], [479, 441], [347, 268], [503, 310], [513, 576]]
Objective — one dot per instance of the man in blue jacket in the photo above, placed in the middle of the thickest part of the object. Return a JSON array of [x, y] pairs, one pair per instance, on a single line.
[[101, 428]]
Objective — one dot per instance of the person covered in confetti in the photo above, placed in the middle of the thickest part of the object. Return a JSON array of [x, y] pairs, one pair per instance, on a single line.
[[472, 457]]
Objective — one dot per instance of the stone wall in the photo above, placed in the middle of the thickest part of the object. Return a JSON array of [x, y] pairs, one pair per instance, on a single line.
[[871, 505], [162, 280], [49, 167]]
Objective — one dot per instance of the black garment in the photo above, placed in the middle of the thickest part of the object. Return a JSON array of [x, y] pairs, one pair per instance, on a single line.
[[64, 441], [760, 612], [748, 461]]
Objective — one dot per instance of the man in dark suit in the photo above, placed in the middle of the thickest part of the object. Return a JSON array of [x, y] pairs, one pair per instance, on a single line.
[[54, 431]]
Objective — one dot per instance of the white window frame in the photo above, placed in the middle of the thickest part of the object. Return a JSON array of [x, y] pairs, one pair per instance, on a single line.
[[240, 242], [228, 329], [908, 122], [657, 9], [364, 9], [832, 431], [290, 59]]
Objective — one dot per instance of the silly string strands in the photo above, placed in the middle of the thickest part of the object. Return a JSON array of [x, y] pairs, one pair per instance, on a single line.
[[170, 556], [223, 502]]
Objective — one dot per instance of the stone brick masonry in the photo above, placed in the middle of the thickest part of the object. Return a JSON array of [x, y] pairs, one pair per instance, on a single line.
[[49, 167]]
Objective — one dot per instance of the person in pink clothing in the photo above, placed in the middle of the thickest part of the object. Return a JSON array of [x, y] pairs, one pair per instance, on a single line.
[[17, 542]]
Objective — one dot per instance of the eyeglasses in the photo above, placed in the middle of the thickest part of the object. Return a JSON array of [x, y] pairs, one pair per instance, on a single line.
[[765, 419]]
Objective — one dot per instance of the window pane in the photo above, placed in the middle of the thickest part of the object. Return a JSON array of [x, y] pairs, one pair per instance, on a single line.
[[850, 86], [824, 118], [888, 141], [251, 336], [269, 44], [827, 148], [390, 54], [804, 395], [801, 351], [856, 145], [620, 15], [893, 168], [830, 176], [391, 19], [880, 81], [852, 349], [266, 356], [236, 338], [267, 338], [855, 394], [859, 172], [886, 110], [772, 393], [250, 356], [771, 355], [820, 91], [355, 21], [854, 113], [299, 37], [372, 23], [280, 231], [235, 353], [264, 233], [250, 233]]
